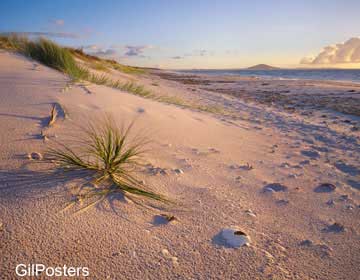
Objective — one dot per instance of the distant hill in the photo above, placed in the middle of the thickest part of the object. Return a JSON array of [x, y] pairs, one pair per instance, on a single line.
[[262, 67]]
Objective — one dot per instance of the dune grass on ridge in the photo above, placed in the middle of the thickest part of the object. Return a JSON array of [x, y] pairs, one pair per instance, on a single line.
[[47, 53], [62, 59]]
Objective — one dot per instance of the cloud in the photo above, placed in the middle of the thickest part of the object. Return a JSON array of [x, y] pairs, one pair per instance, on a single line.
[[347, 52], [108, 52], [136, 50], [58, 22], [177, 57], [46, 34], [99, 51]]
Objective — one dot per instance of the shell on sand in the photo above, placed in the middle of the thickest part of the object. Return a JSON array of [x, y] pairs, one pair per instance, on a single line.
[[235, 237]]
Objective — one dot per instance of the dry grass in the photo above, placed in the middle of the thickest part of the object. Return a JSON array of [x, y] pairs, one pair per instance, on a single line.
[[53, 115]]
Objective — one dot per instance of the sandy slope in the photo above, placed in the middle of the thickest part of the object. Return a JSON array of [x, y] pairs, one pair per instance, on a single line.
[[119, 240]]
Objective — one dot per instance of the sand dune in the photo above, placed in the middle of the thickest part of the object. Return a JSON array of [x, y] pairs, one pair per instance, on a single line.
[[253, 168]]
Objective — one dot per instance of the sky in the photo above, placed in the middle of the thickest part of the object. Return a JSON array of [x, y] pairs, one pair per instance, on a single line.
[[199, 33]]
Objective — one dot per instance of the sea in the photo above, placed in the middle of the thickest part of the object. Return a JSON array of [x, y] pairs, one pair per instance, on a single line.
[[349, 75]]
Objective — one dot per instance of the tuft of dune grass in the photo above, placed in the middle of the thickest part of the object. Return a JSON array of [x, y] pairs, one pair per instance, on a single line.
[[110, 156]]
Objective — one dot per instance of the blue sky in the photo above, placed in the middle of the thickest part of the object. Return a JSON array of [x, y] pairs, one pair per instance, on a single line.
[[193, 34]]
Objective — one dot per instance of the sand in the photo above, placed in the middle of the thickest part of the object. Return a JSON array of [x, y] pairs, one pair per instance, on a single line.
[[254, 167]]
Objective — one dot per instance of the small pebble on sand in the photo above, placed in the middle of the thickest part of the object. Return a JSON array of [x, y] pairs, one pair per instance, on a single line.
[[250, 213], [178, 171], [35, 156]]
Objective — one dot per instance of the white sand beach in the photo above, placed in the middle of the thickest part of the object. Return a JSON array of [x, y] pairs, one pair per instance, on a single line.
[[288, 179]]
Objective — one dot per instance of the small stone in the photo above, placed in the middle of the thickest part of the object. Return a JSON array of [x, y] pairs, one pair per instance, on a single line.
[[285, 165], [35, 156], [163, 172], [330, 202], [165, 253], [349, 207], [116, 254], [250, 213], [306, 242], [168, 217], [178, 171]]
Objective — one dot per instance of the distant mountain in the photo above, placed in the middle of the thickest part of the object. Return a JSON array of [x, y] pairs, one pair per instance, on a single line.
[[262, 67]]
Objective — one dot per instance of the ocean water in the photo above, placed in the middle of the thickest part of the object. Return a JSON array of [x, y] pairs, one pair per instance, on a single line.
[[351, 75]]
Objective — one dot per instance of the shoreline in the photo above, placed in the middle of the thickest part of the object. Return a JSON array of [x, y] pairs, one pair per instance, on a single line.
[[293, 94], [223, 73]]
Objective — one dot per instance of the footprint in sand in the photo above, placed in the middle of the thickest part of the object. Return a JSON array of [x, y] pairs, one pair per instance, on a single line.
[[311, 154], [231, 238], [325, 188], [347, 168], [335, 228], [275, 187], [163, 219], [354, 184], [320, 249]]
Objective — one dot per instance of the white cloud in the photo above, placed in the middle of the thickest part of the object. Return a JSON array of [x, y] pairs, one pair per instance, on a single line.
[[347, 52], [100, 51], [136, 50]]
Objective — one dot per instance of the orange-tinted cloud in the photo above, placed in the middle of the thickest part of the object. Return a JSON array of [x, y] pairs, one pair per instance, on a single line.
[[347, 52]]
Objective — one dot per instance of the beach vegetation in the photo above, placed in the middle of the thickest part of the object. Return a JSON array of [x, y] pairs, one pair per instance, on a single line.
[[109, 156]]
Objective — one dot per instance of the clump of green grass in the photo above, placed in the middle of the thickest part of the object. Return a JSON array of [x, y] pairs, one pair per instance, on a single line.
[[128, 86], [48, 53], [109, 154], [99, 66], [174, 100], [125, 68]]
